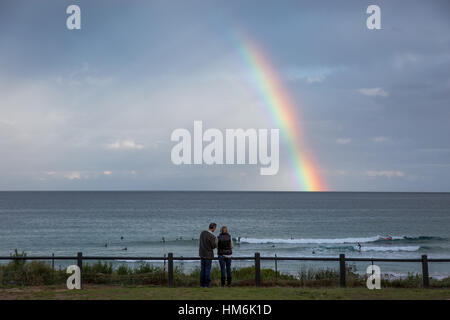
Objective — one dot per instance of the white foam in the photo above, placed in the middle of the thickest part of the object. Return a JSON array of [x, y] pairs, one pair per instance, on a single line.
[[313, 241], [390, 248]]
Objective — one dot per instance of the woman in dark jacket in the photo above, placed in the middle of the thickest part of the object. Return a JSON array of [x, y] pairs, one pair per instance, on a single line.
[[224, 251]]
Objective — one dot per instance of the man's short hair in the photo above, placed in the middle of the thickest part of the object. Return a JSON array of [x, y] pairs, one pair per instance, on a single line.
[[212, 225]]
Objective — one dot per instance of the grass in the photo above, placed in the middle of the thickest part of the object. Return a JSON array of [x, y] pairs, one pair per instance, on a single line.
[[102, 292]]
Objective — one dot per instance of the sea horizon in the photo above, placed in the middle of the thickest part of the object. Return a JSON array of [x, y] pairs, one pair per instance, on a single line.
[[242, 191]]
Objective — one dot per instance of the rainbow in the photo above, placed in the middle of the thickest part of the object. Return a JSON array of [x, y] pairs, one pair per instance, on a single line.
[[283, 114]]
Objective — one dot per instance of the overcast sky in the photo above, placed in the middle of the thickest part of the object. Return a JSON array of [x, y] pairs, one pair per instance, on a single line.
[[93, 109]]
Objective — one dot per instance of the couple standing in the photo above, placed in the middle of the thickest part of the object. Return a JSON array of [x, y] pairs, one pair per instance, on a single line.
[[224, 244]]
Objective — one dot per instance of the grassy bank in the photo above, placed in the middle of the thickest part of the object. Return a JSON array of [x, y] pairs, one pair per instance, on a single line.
[[235, 293], [20, 273]]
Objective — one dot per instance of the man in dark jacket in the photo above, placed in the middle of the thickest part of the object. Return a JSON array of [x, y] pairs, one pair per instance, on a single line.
[[208, 242]]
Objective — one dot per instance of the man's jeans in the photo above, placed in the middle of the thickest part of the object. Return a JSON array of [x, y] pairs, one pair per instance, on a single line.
[[225, 263], [205, 272]]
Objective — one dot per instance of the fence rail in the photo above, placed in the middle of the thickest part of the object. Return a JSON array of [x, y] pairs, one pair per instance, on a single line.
[[424, 260]]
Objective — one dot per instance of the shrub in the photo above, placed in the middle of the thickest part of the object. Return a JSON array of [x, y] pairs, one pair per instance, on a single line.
[[123, 270], [98, 267]]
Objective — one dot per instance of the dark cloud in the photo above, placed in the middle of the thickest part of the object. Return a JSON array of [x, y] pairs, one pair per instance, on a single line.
[[138, 70]]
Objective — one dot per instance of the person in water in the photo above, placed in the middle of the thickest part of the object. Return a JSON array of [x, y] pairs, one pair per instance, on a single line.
[[224, 251], [359, 247]]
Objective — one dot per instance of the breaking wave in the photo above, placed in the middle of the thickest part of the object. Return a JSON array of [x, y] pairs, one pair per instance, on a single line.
[[390, 249], [377, 238]]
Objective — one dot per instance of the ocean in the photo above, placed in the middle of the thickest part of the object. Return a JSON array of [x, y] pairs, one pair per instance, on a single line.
[[294, 224]]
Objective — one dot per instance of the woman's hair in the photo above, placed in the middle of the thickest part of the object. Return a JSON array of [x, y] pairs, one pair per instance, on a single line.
[[223, 229]]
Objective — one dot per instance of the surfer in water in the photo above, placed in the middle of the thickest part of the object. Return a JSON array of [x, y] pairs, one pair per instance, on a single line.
[[359, 247]]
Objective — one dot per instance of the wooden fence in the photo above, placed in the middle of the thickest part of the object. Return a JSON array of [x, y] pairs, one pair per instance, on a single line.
[[342, 259]]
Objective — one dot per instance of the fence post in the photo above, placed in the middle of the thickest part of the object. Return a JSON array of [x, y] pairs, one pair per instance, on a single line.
[[342, 269], [170, 268], [276, 269], [425, 275], [53, 262], [257, 269], [80, 265]]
